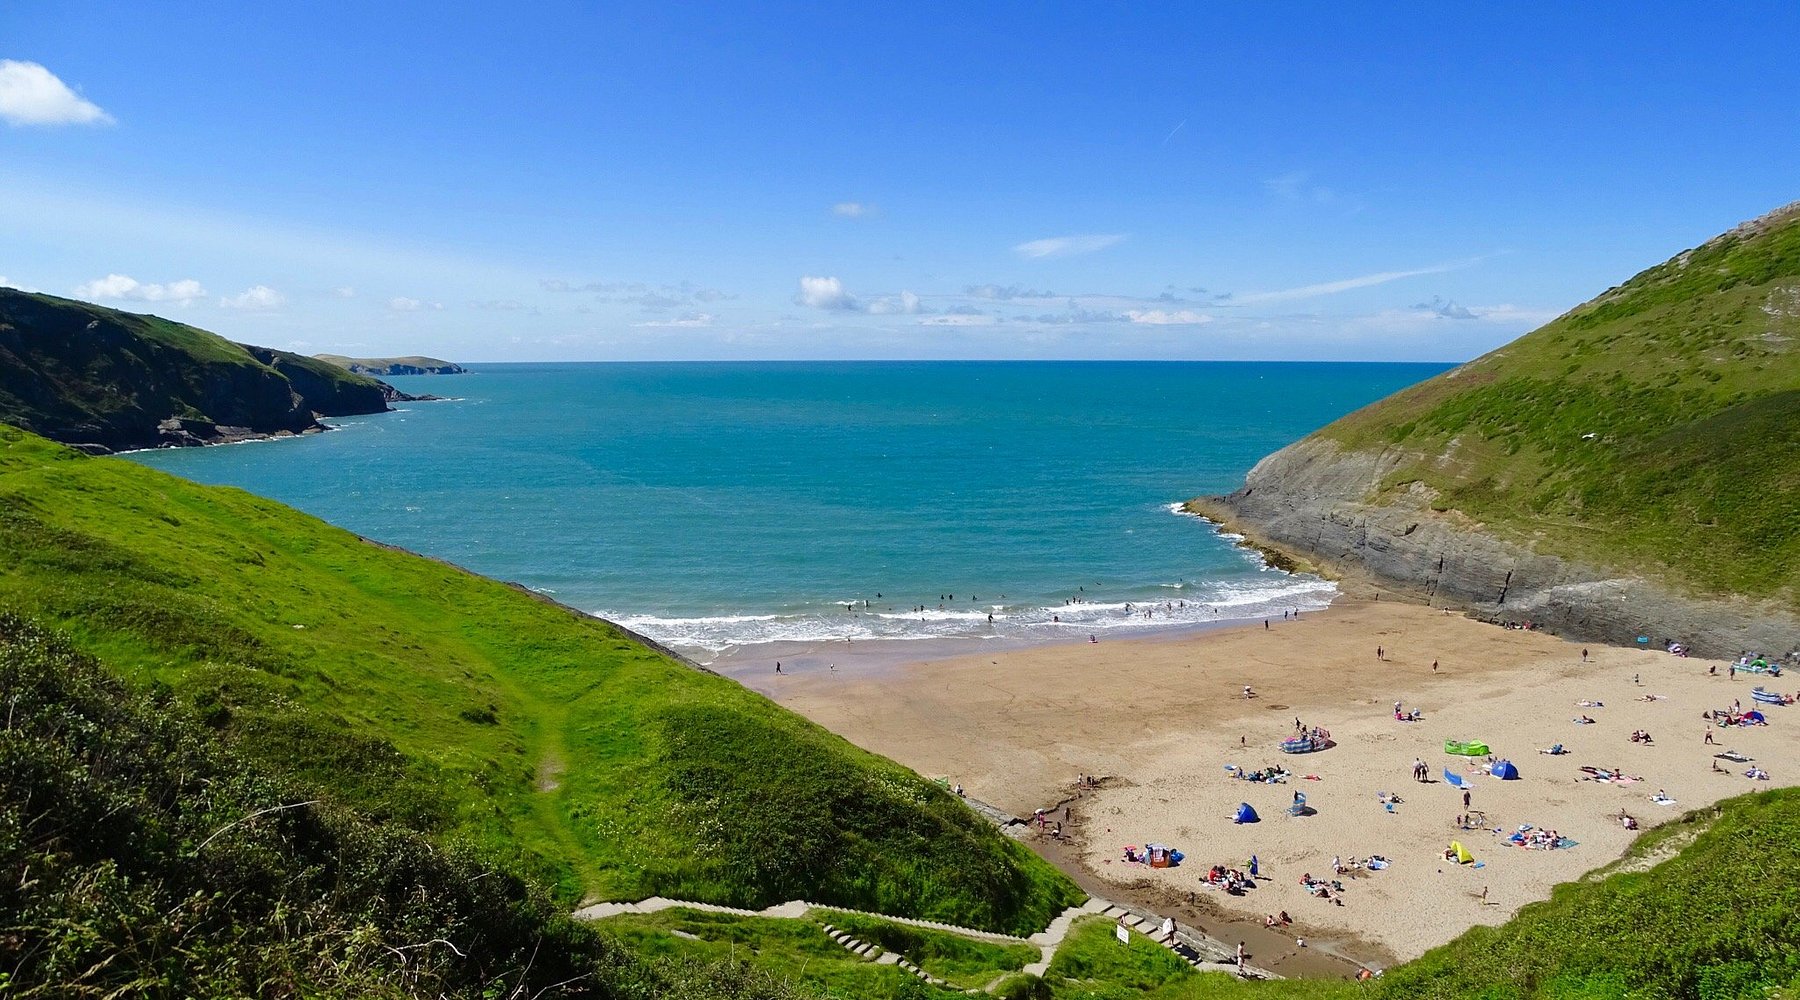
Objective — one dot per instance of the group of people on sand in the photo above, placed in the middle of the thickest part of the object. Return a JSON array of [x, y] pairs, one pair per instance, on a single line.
[[1641, 736], [1232, 880], [1327, 889], [1403, 715]]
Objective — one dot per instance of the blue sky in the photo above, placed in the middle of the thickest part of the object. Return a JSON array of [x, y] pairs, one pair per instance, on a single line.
[[489, 182]]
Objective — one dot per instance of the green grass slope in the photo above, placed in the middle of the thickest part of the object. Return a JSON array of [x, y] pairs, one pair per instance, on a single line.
[[141, 858], [426, 696], [78, 372], [1655, 429]]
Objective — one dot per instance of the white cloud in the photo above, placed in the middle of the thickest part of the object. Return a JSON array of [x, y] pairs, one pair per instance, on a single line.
[[959, 319], [345, 292], [1347, 284], [904, 304], [119, 286], [32, 95], [1063, 246], [825, 293], [686, 320], [255, 297], [852, 209], [1165, 317]]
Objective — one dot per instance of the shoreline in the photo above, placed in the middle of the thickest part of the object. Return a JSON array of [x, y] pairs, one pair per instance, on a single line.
[[1161, 715]]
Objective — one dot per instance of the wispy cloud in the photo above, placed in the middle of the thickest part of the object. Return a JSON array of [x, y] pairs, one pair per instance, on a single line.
[[115, 287], [686, 321], [852, 210], [1005, 293], [256, 297], [405, 303], [1347, 284], [1167, 317], [960, 319], [32, 95], [1064, 246]]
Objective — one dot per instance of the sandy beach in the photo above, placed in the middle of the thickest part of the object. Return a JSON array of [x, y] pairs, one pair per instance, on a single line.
[[1162, 718]]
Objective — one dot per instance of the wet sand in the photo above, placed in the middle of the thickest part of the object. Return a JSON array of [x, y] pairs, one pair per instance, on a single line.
[[1163, 716]]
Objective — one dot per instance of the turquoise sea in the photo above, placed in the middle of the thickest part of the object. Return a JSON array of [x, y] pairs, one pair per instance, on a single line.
[[715, 505]]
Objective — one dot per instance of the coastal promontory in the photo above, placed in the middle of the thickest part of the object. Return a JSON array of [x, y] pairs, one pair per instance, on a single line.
[[1631, 469], [106, 380], [384, 367]]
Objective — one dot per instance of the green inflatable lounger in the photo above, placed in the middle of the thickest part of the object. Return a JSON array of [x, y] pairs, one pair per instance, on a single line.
[[1473, 748]]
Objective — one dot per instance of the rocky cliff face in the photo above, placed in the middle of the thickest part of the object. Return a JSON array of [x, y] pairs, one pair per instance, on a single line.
[[1312, 502]]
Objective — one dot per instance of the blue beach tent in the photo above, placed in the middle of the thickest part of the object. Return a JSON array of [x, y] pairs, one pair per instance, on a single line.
[[1455, 779], [1245, 814], [1505, 771]]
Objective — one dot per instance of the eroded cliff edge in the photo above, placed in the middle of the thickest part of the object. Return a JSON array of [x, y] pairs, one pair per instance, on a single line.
[[1308, 505]]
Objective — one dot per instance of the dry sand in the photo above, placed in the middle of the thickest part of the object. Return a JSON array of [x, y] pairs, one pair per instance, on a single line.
[[1163, 717]]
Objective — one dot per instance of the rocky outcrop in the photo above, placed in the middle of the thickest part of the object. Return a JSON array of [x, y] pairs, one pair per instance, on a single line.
[[1324, 508]]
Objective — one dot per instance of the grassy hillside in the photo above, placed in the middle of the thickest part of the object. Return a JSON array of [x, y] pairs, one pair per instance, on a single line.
[[139, 857], [1656, 428], [425, 696], [84, 373]]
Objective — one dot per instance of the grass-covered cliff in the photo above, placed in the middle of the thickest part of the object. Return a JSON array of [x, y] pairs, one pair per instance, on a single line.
[[86, 374], [474, 712], [1652, 433], [411, 364]]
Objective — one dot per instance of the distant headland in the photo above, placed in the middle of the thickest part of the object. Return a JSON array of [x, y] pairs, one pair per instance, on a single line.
[[381, 367]]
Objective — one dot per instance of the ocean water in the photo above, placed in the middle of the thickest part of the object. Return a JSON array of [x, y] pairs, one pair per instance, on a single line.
[[717, 505]]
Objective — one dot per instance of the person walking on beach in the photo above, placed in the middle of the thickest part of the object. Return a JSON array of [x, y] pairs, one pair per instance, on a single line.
[[1709, 739], [1465, 798], [1380, 654], [1434, 666], [778, 666], [1584, 656]]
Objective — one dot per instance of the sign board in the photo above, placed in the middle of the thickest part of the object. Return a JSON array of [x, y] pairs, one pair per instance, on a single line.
[[1122, 934]]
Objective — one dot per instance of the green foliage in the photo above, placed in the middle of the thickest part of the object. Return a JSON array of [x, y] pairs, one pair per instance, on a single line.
[[951, 957], [139, 857], [1093, 965], [795, 951], [422, 695], [1655, 429]]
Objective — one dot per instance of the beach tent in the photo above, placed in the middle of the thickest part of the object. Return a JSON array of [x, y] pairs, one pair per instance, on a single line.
[[1505, 771], [1754, 717], [1471, 748], [1455, 779], [1765, 697], [1463, 856], [1245, 814]]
